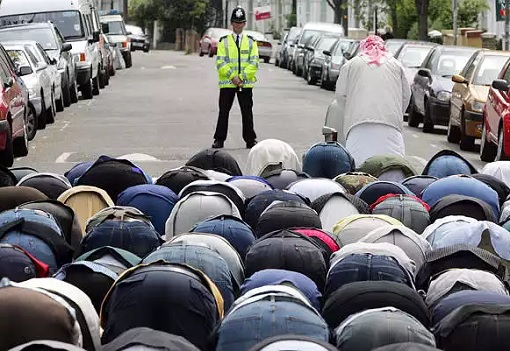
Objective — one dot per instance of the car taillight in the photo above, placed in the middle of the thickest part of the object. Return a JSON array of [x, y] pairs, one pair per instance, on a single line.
[[82, 56], [124, 44]]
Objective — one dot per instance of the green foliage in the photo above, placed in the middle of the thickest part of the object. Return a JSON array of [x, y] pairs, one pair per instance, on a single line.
[[467, 13], [406, 17]]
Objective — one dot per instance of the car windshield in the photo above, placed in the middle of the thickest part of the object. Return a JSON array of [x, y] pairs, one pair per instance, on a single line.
[[393, 46], [219, 32], [342, 47], [256, 35], [134, 30], [489, 69], [307, 34], [68, 22], [413, 56], [116, 28], [451, 62], [18, 57], [294, 34], [326, 43], [43, 36]]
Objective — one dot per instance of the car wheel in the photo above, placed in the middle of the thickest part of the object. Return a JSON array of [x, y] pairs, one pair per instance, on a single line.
[[414, 118], [487, 149], [73, 91], [7, 154], [428, 125], [50, 111], [107, 77], [266, 59], [467, 143], [59, 104], [102, 78], [200, 53], [289, 65], [323, 80], [500, 153], [86, 90], [30, 122], [146, 49], [277, 62], [66, 92], [310, 79], [20, 144], [129, 60], [210, 53], [453, 135], [95, 84]]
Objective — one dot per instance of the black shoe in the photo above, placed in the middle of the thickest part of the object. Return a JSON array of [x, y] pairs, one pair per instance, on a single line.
[[251, 143], [218, 144]]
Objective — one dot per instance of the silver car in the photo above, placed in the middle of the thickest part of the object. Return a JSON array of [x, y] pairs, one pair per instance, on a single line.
[[37, 78], [264, 46]]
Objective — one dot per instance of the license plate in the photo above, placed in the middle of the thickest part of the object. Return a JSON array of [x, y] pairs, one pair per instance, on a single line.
[[479, 127], [137, 44]]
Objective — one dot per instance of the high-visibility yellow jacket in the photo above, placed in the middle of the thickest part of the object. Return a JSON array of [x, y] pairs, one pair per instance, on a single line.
[[232, 61]]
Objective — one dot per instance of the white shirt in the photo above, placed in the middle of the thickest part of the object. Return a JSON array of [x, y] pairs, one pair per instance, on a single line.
[[238, 38]]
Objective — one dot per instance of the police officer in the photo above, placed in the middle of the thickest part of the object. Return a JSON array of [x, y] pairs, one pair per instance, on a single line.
[[237, 63]]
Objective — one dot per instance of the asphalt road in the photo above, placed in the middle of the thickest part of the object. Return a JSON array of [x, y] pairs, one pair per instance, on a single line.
[[163, 110]]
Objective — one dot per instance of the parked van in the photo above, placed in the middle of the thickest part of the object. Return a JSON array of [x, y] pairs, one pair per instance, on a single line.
[[78, 22], [113, 25], [310, 29]]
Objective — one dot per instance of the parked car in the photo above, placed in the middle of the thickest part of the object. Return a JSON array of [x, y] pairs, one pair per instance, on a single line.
[[310, 46], [37, 78], [495, 143], [264, 46], [78, 22], [209, 41], [343, 50], [278, 50], [292, 51], [287, 46], [393, 45], [13, 107], [432, 86], [316, 58], [412, 55], [111, 55], [469, 95], [139, 40], [59, 51], [309, 30], [114, 27]]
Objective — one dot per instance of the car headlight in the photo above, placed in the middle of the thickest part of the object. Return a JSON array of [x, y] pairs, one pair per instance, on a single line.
[[80, 57], [444, 96], [477, 106]]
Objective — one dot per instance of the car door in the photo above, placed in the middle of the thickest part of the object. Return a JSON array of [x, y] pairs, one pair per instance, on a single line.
[[497, 103], [43, 75], [460, 90], [13, 97], [421, 84], [67, 56]]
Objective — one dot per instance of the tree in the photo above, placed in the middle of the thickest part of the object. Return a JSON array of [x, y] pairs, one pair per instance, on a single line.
[[422, 10], [340, 9], [468, 12]]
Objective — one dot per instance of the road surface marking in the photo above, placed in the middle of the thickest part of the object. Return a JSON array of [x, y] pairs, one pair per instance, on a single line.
[[167, 67], [65, 126], [137, 157], [63, 158], [415, 135], [434, 146]]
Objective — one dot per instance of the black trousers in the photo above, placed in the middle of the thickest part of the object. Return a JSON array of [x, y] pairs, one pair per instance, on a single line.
[[245, 99]]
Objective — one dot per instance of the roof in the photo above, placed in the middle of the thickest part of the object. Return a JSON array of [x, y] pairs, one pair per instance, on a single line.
[[28, 25]]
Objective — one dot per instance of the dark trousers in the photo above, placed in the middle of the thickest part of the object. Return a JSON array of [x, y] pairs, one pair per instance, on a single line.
[[245, 99]]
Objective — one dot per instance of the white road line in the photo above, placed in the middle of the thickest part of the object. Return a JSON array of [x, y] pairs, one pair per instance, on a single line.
[[66, 123], [415, 135], [167, 67], [63, 158], [138, 157], [434, 146]]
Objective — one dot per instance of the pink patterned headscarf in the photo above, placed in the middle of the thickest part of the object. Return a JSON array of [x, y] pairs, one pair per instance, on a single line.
[[373, 49]]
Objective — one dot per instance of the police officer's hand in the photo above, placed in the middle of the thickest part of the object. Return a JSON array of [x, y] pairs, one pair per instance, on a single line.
[[236, 81]]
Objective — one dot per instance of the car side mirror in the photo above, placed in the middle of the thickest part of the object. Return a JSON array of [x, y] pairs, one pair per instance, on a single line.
[[105, 28], [95, 36], [9, 83], [291, 45], [500, 84], [25, 70], [129, 33], [67, 47], [423, 72], [327, 52], [53, 61], [457, 78], [347, 55], [300, 46]]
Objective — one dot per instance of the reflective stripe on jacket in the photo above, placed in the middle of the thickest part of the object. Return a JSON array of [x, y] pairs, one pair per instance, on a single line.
[[232, 61]]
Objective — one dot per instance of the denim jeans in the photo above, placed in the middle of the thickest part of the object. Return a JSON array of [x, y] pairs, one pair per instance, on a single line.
[[250, 324], [366, 267], [201, 258]]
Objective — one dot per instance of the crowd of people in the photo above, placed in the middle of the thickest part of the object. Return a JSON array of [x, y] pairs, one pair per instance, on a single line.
[[311, 253]]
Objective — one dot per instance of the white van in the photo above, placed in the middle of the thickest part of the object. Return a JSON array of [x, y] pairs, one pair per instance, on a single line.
[[78, 22], [310, 29]]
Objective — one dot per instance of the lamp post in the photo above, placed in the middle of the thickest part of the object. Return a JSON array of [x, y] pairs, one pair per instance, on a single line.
[[455, 20], [507, 24]]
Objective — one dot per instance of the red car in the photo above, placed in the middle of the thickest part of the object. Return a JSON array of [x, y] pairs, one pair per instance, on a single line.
[[496, 120], [13, 108], [210, 39]]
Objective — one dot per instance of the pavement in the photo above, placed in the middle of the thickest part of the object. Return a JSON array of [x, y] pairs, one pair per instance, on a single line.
[[163, 110]]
